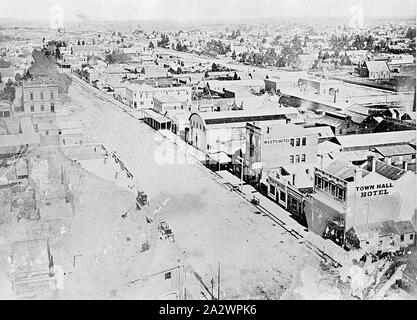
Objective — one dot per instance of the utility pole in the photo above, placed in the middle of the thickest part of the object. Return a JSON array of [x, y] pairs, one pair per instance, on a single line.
[[218, 282], [240, 161], [218, 148]]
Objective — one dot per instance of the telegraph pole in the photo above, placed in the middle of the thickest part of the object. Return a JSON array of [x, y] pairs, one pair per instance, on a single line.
[[218, 282], [240, 161]]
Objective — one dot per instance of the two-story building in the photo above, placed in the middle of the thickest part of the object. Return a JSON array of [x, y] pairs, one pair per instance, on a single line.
[[225, 131], [276, 145], [141, 96], [346, 195], [39, 97]]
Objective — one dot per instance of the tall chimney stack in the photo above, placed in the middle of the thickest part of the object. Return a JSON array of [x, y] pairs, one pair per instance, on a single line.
[[371, 163]]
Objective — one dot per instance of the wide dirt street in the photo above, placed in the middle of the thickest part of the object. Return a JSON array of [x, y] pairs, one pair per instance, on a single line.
[[210, 223]]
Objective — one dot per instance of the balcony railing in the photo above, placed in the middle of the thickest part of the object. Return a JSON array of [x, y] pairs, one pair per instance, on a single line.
[[329, 195]]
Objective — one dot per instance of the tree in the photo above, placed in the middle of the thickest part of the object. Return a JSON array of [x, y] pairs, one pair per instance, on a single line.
[[163, 42], [214, 67], [369, 42], [275, 42], [234, 55], [142, 70], [411, 33], [18, 77], [151, 45], [83, 42], [78, 42], [359, 42], [241, 40]]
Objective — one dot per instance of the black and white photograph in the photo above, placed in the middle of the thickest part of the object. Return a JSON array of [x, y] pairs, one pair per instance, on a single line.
[[208, 150]]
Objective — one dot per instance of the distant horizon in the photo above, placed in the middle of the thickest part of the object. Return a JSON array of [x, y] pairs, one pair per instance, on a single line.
[[199, 10], [409, 17]]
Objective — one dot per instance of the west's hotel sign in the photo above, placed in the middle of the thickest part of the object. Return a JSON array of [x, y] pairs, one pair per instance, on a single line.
[[373, 190]]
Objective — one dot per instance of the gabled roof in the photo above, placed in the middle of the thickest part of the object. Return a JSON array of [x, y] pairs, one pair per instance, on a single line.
[[395, 150], [329, 120], [322, 131], [388, 171], [377, 66], [404, 227], [343, 170], [242, 116], [374, 139], [382, 229]]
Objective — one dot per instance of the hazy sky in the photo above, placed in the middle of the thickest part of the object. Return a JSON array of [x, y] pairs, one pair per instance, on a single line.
[[200, 9]]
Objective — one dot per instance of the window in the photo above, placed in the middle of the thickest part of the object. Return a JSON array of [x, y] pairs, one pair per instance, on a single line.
[[282, 196], [402, 237], [272, 189], [411, 236], [318, 182], [325, 185], [42, 108], [52, 107], [167, 275], [291, 159], [304, 141], [31, 96], [297, 158], [41, 95], [32, 108], [341, 194], [297, 143], [52, 95], [333, 188], [292, 142], [303, 158]]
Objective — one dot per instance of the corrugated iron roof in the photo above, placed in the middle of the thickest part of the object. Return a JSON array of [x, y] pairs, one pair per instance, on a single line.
[[388, 171], [395, 150], [404, 227], [343, 170], [375, 139], [383, 229]]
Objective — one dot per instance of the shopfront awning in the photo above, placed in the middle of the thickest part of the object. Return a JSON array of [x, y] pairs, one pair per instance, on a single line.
[[220, 157]]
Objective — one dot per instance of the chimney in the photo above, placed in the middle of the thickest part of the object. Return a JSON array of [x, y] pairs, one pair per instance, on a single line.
[[371, 163], [293, 179]]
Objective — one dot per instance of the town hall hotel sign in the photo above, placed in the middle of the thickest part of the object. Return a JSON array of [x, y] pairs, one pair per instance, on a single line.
[[374, 189]]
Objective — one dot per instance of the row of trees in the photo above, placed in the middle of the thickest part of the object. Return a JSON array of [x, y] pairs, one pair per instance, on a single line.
[[358, 42], [217, 47], [234, 35], [180, 47], [288, 55]]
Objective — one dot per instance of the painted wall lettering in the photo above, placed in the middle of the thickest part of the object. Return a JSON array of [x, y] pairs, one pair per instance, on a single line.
[[374, 190]]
